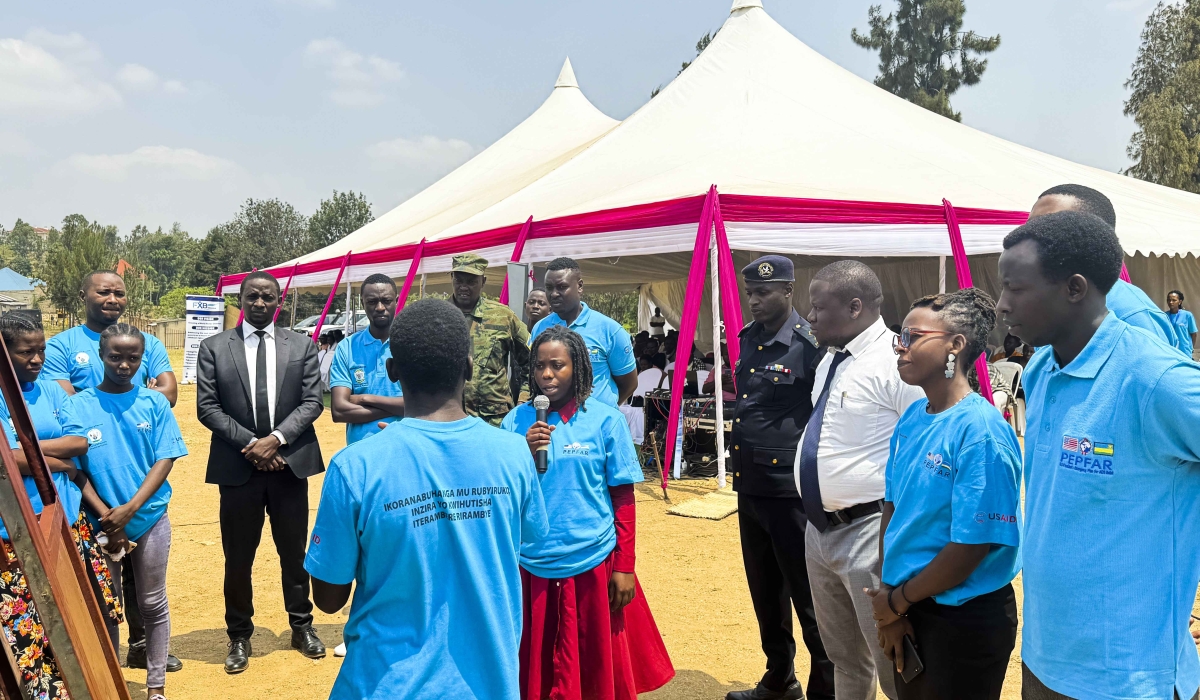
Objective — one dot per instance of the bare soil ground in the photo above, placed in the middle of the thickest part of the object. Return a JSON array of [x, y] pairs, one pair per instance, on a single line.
[[691, 571]]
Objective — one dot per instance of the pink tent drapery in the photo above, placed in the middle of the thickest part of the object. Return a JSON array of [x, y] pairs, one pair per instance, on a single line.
[[329, 302], [412, 275], [283, 297], [962, 268], [516, 255], [731, 310]]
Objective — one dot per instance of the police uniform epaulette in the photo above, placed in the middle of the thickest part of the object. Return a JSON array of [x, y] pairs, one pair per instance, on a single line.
[[745, 328], [805, 332]]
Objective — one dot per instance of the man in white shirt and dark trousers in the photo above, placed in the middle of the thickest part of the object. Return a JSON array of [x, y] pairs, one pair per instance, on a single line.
[[857, 400]]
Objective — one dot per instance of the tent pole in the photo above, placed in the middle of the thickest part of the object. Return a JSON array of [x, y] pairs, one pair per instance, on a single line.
[[293, 325], [422, 285], [941, 274], [716, 330], [516, 256], [693, 298], [329, 302], [350, 325], [962, 268], [731, 297]]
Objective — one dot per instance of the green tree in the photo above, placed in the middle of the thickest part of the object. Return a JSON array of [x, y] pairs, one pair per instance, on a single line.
[[171, 304], [336, 217], [80, 248], [1164, 98], [265, 233], [700, 46], [619, 306], [169, 258], [27, 246], [924, 56]]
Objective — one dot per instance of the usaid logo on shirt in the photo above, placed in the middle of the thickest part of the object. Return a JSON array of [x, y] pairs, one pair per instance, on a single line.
[[937, 465], [1084, 455], [82, 359], [577, 448]]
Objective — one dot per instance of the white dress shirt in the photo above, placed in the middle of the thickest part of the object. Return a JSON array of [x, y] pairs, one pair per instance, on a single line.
[[865, 402], [248, 333]]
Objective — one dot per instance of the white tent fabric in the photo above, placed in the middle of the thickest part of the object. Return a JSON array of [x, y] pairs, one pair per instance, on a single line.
[[761, 113], [564, 125]]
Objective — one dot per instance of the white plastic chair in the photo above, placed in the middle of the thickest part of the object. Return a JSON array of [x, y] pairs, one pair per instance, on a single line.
[[1011, 371]]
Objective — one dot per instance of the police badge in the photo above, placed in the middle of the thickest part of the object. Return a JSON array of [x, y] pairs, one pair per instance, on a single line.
[[765, 270]]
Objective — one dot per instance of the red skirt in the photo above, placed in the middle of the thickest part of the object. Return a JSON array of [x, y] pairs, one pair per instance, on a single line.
[[573, 648]]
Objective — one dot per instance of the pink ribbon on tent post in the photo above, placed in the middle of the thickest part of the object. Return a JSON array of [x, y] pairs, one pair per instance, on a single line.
[[329, 302], [412, 275], [516, 256], [687, 327], [962, 268], [1125, 274], [283, 297], [731, 301]]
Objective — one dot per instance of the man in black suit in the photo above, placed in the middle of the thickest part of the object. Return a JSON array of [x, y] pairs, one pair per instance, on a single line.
[[258, 389]]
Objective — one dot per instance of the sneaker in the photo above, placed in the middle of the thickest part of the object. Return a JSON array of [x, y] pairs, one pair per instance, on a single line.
[[340, 650]]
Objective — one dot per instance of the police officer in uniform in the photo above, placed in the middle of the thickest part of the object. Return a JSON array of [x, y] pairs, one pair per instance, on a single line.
[[774, 399], [498, 337]]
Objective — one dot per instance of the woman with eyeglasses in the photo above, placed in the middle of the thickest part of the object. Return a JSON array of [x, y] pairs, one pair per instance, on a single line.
[[950, 530]]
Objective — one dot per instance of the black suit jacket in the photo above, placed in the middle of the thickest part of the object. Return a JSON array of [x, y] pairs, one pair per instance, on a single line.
[[223, 404]]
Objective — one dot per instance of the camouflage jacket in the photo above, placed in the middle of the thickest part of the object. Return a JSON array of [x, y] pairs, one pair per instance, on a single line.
[[497, 337]]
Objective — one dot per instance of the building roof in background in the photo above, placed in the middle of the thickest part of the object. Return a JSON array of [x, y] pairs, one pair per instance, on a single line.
[[13, 281]]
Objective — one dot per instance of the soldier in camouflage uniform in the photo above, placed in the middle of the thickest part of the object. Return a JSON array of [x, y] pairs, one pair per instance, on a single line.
[[498, 336]]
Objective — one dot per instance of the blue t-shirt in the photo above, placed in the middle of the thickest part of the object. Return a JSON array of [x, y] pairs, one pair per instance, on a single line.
[[1131, 305], [74, 355], [359, 364], [608, 345], [588, 453], [427, 519], [1185, 325], [954, 476], [1111, 548], [45, 400], [126, 433]]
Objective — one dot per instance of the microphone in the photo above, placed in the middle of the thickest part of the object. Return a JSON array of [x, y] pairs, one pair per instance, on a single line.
[[542, 405]]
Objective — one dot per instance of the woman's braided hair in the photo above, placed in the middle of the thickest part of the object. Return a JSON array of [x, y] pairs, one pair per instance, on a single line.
[[121, 329], [581, 363], [969, 311], [19, 322]]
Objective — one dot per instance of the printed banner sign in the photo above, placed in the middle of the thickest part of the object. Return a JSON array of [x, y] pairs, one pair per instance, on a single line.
[[204, 316]]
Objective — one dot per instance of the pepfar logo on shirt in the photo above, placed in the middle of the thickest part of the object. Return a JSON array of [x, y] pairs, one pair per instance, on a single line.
[[144, 427], [82, 359], [1086, 456], [937, 465], [577, 448]]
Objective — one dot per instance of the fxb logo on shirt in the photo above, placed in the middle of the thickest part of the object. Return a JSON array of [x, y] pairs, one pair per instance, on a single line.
[[82, 359], [95, 437]]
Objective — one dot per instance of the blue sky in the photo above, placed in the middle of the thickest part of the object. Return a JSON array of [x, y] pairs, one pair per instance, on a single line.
[[150, 112]]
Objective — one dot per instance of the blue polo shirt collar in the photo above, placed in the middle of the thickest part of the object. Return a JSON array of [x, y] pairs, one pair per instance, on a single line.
[[1096, 353], [582, 318]]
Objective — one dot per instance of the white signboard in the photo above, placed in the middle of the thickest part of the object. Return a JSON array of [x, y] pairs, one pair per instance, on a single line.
[[204, 317]]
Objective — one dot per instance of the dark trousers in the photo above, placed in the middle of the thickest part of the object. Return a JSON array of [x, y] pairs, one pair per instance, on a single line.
[[133, 616], [772, 531], [965, 648], [284, 498]]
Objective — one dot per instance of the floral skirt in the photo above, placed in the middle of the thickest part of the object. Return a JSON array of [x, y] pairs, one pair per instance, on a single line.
[[22, 627]]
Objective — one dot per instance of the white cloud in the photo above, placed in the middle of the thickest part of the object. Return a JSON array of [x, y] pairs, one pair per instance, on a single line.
[[1126, 5], [424, 152], [35, 79], [158, 161], [358, 80], [174, 87], [137, 77], [310, 4], [14, 144]]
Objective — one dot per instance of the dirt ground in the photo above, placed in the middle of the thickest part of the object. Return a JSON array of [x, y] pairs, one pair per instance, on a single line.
[[691, 571]]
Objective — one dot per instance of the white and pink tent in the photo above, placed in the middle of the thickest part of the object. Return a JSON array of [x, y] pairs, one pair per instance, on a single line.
[[761, 145]]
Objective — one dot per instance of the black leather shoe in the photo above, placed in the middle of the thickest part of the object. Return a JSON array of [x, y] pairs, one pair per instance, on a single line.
[[792, 692], [308, 643], [239, 656], [136, 658]]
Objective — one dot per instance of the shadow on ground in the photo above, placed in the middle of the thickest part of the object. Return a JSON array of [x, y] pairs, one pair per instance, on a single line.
[[694, 685], [211, 646]]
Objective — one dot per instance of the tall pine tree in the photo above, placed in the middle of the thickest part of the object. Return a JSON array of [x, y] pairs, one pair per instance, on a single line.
[[924, 56], [1165, 98]]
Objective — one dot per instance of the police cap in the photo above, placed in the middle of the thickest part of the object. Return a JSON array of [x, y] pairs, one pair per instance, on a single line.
[[770, 268]]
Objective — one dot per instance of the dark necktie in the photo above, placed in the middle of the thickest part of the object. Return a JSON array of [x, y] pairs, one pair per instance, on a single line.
[[810, 485], [262, 409]]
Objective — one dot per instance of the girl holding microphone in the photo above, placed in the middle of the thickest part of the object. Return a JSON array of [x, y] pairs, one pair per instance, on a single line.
[[588, 632]]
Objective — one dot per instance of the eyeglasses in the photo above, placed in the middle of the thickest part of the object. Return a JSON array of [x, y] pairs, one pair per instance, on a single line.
[[904, 341]]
